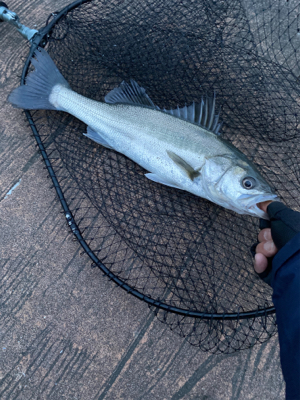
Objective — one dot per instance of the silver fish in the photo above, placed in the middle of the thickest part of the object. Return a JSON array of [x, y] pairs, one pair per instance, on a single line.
[[180, 148]]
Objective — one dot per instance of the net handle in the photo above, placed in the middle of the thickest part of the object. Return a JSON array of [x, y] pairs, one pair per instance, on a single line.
[[12, 18]]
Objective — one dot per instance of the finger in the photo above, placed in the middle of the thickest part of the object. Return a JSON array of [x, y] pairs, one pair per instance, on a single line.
[[260, 263], [264, 205], [265, 235], [268, 248]]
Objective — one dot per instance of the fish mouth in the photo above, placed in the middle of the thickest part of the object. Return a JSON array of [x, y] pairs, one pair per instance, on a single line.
[[254, 200]]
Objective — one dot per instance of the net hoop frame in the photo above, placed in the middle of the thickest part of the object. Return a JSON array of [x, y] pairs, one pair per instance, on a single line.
[[40, 40]]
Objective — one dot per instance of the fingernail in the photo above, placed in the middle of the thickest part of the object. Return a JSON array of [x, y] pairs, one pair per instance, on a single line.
[[255, 263], [267, 235], [269, 246]]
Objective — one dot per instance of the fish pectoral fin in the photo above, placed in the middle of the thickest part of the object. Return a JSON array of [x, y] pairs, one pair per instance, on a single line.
[[130, 93], [155, 178], [96, 137], [186, 168]]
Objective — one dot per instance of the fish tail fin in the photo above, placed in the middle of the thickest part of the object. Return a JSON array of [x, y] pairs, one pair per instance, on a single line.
[[35, 94]]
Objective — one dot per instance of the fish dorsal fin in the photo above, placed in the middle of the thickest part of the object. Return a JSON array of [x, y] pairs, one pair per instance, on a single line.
[[129, 93], [202, 114]]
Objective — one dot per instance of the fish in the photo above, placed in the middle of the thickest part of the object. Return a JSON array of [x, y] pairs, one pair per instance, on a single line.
[[181, 148]]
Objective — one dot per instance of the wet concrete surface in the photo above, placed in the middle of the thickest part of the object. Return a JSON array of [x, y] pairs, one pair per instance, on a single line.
[[67, 332]]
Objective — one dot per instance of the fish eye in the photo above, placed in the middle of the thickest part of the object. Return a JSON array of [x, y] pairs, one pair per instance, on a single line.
[[249, 183]]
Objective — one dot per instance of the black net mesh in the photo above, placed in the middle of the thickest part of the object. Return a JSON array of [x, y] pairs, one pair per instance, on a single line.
[[170, 246]]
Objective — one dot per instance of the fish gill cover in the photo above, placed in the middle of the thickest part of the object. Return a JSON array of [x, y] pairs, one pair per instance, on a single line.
[[187, 257]]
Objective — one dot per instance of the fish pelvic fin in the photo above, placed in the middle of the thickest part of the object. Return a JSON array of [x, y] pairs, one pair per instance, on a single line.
[[185, 167], [158, 179], [35, 94]]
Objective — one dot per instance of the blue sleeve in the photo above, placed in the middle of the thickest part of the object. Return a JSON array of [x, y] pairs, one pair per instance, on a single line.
[[286, 299]]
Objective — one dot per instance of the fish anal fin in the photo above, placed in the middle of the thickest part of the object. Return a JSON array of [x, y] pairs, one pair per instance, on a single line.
[[185, 167], [96, 137]]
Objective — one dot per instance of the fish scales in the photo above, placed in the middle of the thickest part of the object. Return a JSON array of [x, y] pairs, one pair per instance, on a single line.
[[138, 121], [143, 134]]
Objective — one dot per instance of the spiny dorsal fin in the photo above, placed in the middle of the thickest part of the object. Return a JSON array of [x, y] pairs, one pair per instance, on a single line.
[[129, 93], [202, 114], [184, 166]]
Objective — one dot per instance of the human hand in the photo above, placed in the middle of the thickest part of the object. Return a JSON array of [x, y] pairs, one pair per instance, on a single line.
[[266, 248], [285, 224]]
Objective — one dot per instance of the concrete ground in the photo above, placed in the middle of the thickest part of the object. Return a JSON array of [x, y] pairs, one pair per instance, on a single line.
[[66, 332]]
